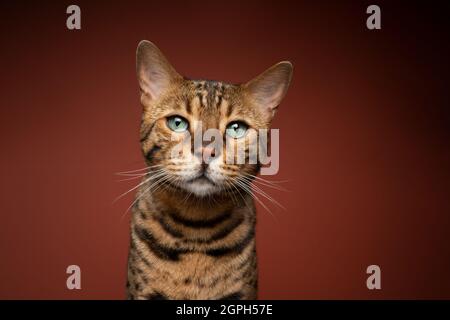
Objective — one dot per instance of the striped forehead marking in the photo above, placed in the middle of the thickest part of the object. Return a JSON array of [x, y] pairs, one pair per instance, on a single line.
[[210, 93]]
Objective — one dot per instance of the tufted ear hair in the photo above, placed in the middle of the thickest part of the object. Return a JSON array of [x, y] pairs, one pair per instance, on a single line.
[[155, 74], [268, 89]]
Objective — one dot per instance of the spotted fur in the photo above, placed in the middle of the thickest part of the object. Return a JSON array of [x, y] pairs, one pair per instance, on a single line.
[[192, 240]]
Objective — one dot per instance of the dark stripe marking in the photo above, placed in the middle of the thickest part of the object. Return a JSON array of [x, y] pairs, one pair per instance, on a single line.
[[143, 215], [245, 262], [158, 249], [229, 110], [200, 97], [168, 228], [156, 296], [211, 92], [232, 296], [150, 154], [141, 256], [200, 223], [188, 106], [227, 229], [147, 132], [235, 249]]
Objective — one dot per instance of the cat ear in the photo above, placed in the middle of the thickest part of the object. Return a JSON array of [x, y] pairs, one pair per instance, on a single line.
[[268, 89], [154, 72]]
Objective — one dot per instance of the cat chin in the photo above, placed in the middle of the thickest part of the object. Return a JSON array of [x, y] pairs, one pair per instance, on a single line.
[[201, 188]]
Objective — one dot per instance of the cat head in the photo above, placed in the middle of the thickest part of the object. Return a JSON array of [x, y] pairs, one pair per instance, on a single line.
[[193, 131]]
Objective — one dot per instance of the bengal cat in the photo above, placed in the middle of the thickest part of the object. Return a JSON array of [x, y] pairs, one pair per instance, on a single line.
[[193, 223]]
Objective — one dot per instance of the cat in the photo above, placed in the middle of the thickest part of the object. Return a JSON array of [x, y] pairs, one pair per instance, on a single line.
[[193, 223]]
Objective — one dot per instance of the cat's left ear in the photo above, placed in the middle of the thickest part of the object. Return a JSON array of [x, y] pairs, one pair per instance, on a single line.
[[268, 89]]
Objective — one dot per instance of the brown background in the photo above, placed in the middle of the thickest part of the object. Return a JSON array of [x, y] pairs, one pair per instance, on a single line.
[[364, 140]]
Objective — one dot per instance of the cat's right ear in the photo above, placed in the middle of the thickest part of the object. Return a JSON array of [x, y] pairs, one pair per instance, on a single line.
[[154, 72]]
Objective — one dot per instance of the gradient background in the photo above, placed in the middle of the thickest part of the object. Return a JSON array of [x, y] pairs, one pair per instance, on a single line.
[[364, 140]]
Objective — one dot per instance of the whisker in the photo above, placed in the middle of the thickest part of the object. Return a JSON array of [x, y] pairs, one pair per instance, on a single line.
[[132, 174], [230, 194], [161, 183], [240, 194], [265, 180], [250, 179], [132, 178], [142, 169], [268, 197], [249, 191], [156, 173], [141, 195], [259, 191], [134, 202]]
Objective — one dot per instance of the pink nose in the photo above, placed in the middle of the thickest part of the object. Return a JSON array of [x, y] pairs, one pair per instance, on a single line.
[[208, 151], [205, 153]]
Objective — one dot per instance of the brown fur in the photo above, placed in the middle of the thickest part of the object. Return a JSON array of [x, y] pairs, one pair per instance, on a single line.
[[186, 246]]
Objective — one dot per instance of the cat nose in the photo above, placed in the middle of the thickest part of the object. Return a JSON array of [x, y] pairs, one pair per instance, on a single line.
[[205, 153], [208, 152]]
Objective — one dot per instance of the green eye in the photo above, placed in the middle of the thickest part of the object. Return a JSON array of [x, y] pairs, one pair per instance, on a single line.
[[177, 124], [236, 129]]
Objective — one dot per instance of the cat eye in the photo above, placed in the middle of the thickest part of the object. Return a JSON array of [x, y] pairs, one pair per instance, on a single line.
[[177, 123], [236, 129]]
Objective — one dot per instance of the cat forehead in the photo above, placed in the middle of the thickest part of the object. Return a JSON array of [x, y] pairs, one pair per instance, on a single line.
[[205, 98], [211, 93], [209, 85], [208, 101]]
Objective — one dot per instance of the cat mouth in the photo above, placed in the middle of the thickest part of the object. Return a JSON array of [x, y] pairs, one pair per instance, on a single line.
[[202, 179], [201, 185]]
